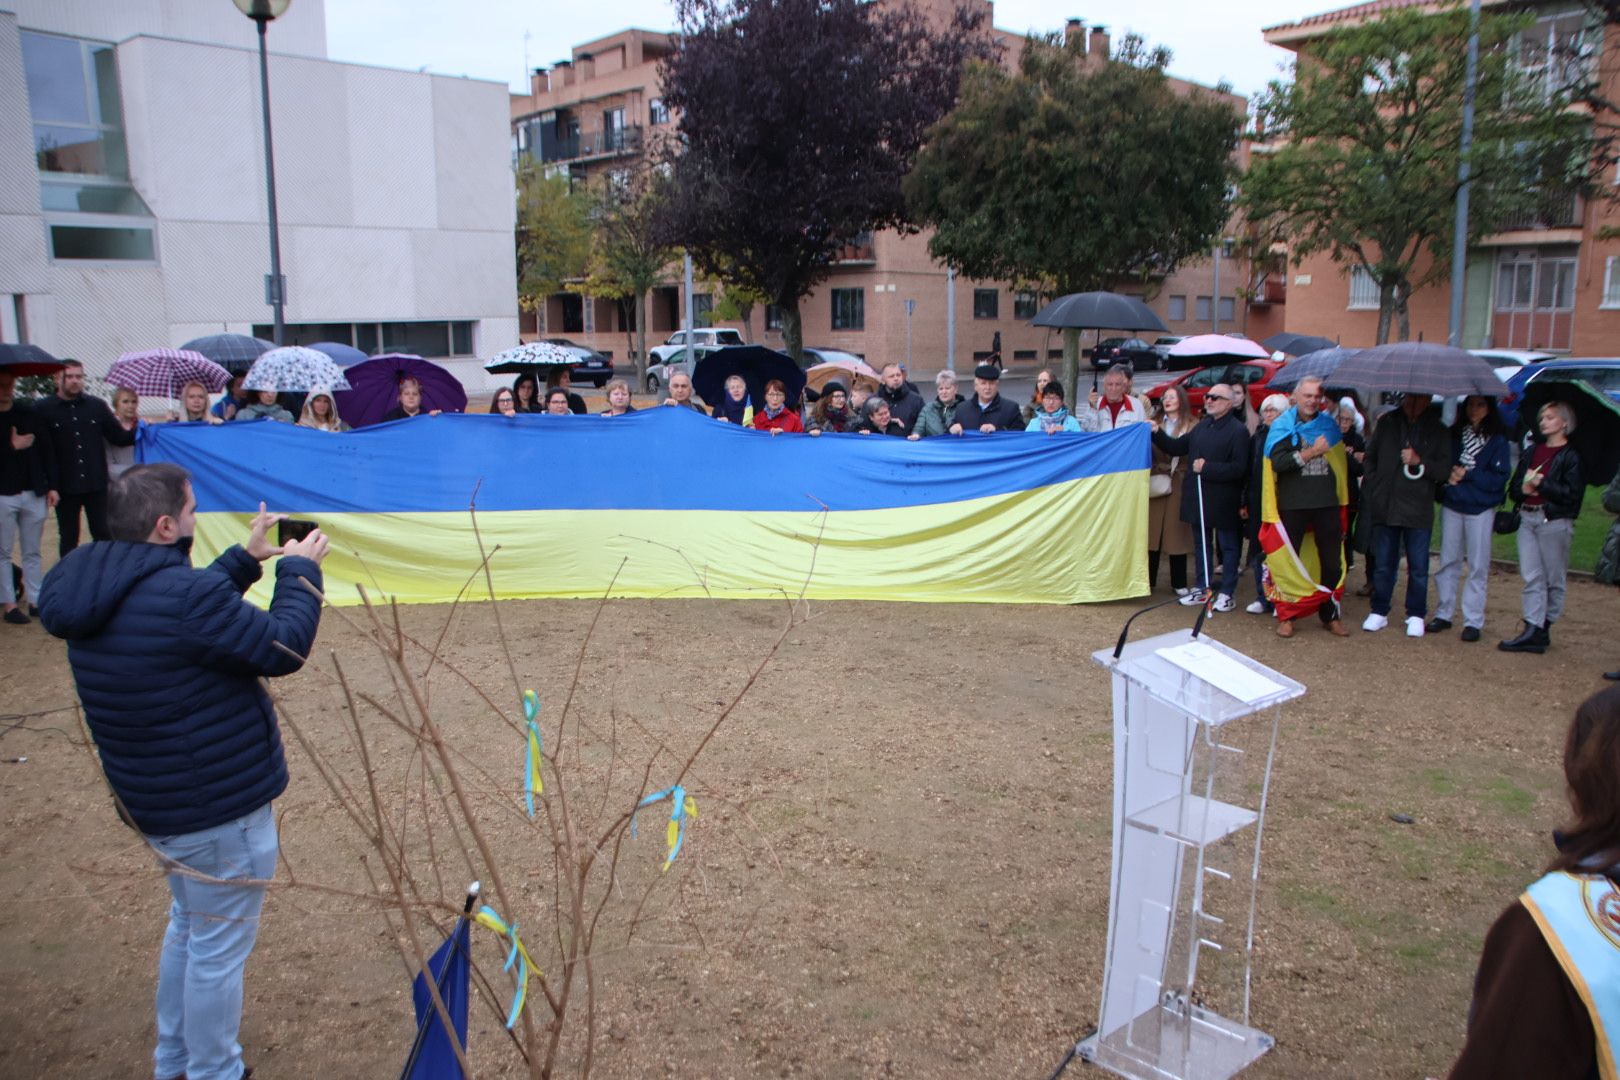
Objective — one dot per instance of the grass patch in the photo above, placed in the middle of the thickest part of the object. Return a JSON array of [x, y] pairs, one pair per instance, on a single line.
[[1476, 860], [1510, 797], [1439, 783]]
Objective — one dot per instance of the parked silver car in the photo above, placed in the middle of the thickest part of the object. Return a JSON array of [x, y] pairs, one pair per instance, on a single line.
[[671, 356]]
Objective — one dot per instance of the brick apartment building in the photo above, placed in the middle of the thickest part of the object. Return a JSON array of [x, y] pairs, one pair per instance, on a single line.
[[1548, 281], [887, 299]]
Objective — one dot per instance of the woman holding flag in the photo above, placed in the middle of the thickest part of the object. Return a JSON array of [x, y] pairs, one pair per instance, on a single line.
[[1304, 501]]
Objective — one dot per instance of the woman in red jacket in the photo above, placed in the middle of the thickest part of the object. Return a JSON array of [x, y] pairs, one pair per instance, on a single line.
[[776, 417]]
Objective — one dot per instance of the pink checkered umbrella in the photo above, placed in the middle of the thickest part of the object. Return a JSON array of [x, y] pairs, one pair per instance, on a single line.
[[162, 372]]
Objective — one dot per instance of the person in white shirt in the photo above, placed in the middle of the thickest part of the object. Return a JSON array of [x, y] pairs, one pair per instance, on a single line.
[[1115, 407]]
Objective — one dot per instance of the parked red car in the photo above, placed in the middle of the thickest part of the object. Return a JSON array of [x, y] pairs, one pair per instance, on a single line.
[[1255, 375]]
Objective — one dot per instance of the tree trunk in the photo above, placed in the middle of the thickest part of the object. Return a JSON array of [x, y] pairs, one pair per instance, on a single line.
[[747, 319], [793, 330], [1403, 314], [626, 314], [1386, 311], [1071, 365], [641, 339]]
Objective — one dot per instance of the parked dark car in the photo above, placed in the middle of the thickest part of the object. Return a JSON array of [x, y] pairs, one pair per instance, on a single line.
[[594, 367], [1161, 345], [1124, 350], [1603, 374]]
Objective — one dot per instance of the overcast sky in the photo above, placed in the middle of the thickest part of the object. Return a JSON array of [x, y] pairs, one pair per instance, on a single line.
[[1211, 40]]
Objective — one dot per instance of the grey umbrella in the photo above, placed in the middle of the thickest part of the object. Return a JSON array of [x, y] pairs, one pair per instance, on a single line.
[[1417, 367], [1317, 365], [1099, 311], [233, 352], [1297, 344]]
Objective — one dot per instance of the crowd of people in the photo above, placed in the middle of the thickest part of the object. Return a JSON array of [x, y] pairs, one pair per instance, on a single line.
[[1207, 497], [198, 781]]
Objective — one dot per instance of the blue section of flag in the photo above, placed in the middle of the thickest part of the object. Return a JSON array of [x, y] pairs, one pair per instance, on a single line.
[[655, 459], [433, 1056]]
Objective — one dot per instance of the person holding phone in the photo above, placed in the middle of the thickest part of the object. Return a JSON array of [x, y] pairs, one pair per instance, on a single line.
[[167, 660]]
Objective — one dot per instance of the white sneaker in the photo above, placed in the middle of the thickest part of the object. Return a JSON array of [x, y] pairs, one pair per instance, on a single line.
[[1193, 599], [1414, 626], [1224, 603], [1183, 592], [1374, 623], [1256, 608]]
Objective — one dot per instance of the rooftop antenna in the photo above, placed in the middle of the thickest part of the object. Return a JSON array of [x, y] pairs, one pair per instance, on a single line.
[[527, 74]]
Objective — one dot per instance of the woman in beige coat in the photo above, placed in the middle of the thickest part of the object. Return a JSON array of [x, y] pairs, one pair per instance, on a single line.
[[1167, 533]]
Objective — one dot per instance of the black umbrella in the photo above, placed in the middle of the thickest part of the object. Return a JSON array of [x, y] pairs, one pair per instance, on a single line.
[[1099, 311], [1597, 423], [755, 363], [233, 352], [27, 360], [1417, 367], [1297, 344]]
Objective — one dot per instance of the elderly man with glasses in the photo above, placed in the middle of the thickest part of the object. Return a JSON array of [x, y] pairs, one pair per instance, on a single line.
[[1218, 449]]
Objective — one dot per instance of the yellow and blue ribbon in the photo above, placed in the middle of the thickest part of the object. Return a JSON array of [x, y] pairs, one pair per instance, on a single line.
[[682, 807], [488, 919], [531, 772]]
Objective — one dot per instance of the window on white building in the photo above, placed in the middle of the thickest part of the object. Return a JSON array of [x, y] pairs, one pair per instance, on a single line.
[[1363, 290], [91, 210]]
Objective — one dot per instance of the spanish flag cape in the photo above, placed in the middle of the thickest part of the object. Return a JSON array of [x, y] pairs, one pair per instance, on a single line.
[[1293, 565]]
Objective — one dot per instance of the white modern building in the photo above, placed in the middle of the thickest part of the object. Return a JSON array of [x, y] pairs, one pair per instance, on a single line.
[[132, 187]]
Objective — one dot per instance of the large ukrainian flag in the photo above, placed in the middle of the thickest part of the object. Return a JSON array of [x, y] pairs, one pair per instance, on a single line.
[[665, 502]]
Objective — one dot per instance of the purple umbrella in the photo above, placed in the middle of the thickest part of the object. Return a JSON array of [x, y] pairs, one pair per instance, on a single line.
[[162, 372], [374, 388]]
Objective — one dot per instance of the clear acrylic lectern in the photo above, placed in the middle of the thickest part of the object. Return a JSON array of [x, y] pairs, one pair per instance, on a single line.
[[1195, 730]]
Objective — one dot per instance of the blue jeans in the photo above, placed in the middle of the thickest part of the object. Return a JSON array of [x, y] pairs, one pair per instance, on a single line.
[[1230, 544], [1389, 543], [212, 926]]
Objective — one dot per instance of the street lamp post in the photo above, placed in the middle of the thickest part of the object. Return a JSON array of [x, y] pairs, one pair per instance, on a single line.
[[264, 12]]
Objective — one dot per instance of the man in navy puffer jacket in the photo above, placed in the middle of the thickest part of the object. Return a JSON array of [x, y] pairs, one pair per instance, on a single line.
[[167, 661]]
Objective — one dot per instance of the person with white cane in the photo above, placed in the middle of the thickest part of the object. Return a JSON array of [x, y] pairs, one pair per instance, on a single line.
[[1218, 447]]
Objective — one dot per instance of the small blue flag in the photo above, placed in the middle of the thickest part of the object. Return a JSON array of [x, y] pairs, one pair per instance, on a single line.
[[433, 1057]]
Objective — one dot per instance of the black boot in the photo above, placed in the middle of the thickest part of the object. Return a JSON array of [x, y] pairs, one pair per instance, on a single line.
[[1532, 639], [1612, 676]]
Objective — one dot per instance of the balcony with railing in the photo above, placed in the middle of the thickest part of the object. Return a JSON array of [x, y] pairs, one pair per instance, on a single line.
[[1553, 208], [537, 140], [1269, 287], [857, 253]]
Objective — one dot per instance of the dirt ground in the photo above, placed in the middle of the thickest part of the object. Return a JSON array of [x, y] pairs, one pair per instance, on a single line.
[[900, 867]]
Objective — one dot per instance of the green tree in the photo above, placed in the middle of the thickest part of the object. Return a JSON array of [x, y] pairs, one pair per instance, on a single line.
[[1368, 143], [798, 120], [1076, 177], [554, 235], [736, 303], [627, 254]]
